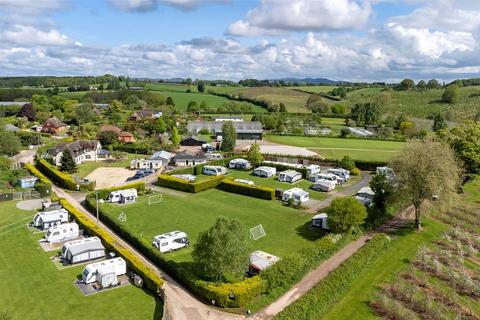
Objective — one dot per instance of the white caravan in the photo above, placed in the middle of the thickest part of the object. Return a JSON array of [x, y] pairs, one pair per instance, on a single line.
[[213, 156], [265, 172], [260, 260], [342, 173], [298, 195], [104, 272], [323, 185], [325, 176], [214, 170], [365, 196], [63, 232], [239, 164], [123, 196], [289, 176], [46, 219], [82, 250], [320, 221], [245, 181], [387, 171], [170, 241], [312, 170], [186, 177]]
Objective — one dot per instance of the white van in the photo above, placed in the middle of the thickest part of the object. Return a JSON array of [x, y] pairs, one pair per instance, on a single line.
[[170, 241], [214, 170], [103, 271], [63, 232]]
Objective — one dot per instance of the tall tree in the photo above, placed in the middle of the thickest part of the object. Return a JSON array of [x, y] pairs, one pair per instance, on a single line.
[[426, 169], [366, 113], [201, 86], [451, 94], [85, 113], [433, 84], [67, 162], [221, 250], [283, 108], [169, 102], [107, 137], [383, 190], [9, 143], [345, 213], [439, 122], [406, 84], [229, 136], [254, 155], [421, 85], [175, 137], [465, 141]]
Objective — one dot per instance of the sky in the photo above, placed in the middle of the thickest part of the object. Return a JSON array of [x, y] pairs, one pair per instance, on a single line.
[[353, 40]]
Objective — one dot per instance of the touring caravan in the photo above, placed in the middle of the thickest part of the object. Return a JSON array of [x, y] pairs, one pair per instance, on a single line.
[[342, 173], [123, 196], [265, 172], [387, 171], [186, 177], [46, 219], [63, 232], [104, 272], [245, 181], [214, 170], [260, 260], [82, 250], [365, 196], [289, 176], [325, 176], [170, 241], [298, 195], [323, 185], [239, 164], [320, 221], [213, 156], [312, 169]]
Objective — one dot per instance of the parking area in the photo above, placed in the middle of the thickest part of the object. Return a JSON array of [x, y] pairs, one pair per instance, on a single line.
[[109, 177]]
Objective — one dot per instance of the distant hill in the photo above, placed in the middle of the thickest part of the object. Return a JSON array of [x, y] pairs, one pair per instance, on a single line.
[[317, 81]]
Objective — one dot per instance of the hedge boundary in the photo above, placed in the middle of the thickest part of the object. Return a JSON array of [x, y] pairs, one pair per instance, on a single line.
[[44, 186], [261, 192], [169, 181], [64, 180], [327, 292]]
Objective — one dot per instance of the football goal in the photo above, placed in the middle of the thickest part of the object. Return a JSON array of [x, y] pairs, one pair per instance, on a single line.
[[122, 217], [257, 232], [156, 198]]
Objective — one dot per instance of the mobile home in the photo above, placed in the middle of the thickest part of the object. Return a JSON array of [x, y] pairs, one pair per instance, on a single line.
[[239, 164], [104, 272], [46, 219], [123, 196], [320, 221], [298, 195], [323, 185], [63, 232], [82, 250], [265, 172], [289, 176], [260, 260], [170, 241], [213, 156], [214, 170]]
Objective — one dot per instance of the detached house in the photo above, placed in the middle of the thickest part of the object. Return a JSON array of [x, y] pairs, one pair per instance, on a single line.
[[157, 161], [82, 150], [53, 126]]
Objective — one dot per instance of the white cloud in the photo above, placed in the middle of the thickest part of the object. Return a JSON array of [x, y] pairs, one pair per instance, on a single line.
[[276, 17], [28, 35], [150, 5], [31, 7]]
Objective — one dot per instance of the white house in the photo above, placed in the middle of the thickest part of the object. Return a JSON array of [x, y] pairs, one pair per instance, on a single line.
[[239, 163], [298, 195], [157, 161], [123, 196], [320, 221], [82, 150], [265, 172], [82, 250], [170, 241], [289, 176]]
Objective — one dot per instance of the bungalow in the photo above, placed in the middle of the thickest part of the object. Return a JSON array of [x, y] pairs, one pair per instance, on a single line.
[[192, 141], [53, 126], [157, 161], [27, 182], [187, 159], [290, 176], [145, 114], [246, 130], [82, 150]]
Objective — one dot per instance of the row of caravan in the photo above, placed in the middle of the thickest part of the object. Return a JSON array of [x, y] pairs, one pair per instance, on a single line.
[[57, 226]]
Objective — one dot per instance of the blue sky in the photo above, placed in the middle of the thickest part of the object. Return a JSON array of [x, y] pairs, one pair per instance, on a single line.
[[359, 40]]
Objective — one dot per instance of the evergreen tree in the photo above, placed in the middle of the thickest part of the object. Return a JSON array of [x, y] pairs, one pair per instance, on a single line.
[[201, 86], [439, 122], [229, 137], [283, 108], [175, 137], [254, 155], [67, 162]]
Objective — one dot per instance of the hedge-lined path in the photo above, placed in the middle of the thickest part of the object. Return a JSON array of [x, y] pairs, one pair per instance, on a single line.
[[179, 303], [315, 205]]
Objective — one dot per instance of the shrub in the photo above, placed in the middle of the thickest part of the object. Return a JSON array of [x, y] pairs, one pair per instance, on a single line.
[[347, 163], [345, 214], [355, 172], [244, 189], [62, 179], [193, 187]]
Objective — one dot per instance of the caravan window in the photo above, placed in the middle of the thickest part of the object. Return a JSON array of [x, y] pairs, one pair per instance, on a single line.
[[56, 233], [64, 231], [164, 244], [85, 273]]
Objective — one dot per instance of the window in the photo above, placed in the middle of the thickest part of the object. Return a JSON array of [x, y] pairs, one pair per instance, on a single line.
[[56, 233], [64, 231], [164, 244], [87, 156]]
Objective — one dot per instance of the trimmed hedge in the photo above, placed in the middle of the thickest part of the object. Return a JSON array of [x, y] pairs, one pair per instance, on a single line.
[[168, 181], [64, 180], [255, 191], [153, 282], [44, 186], [328, 291], [243, 291]]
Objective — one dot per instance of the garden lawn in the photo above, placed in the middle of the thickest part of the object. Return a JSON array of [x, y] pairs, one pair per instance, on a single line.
[[337, 148], [287, 229], [87, 167], [33, 288], [404, 247]]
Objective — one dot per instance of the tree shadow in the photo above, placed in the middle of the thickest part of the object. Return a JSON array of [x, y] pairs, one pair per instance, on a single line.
[[310, 233]]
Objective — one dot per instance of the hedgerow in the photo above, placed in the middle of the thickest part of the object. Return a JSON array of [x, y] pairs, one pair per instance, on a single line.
[[64, 180], [44, 186], [255, 191], [168, 181]]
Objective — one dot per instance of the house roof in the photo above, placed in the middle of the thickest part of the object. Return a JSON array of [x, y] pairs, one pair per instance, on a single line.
[[161, 155], [216, 126], [76, 147], [196, 138], [108, 127], [125, 134], [185, 155], [28, 178], [54, 122]]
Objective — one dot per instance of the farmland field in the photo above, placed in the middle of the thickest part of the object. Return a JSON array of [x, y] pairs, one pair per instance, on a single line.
[[315, 89], [336, 148], [33, 288], [169, 87]]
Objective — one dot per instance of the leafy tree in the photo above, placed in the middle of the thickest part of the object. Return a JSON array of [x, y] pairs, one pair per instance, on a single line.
[[229, 136], [465, 141], [85, 113], [347, 163], [170, 102], [41, 103], [439, 122], [201, 86], [451, 94], [134, 102], [421, 85], [221, 250], [283, 108], [254, 155], [67, 162], [188, 81], [316, 104], [433, 84], [160, 126], [27, 111], [175, 137], [405, 126], [107, 137], [9, 143], [366, 113], [425, 169], [345, 213], [338, 109], [406, 84], [383, 191]]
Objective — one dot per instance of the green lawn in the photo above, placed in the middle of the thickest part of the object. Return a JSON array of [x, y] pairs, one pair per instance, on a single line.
[[287, 229], [33, 288], [336, 148], [87, 167]]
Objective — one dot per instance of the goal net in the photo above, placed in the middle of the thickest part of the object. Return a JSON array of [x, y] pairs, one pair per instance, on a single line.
[[257, 232], [155, 199], [122, 217]]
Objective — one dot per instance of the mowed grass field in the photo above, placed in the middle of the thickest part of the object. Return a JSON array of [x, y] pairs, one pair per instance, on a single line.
[[287, 229], [337, 148], [32, 287], [315, 89]]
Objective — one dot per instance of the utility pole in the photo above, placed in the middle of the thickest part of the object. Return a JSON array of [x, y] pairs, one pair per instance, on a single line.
[[96, 198]]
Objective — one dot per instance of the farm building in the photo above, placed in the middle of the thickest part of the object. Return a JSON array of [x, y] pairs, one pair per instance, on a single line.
[[260, 260], [123, 196], [239, 164], [82, 250], [192, 141], [265, 172], [188, 159], [289, 176], [27, 182], [320, 221], [46, 219], [53, 126], [298, 195], [157, 161], [82, 150], [246, 130]]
